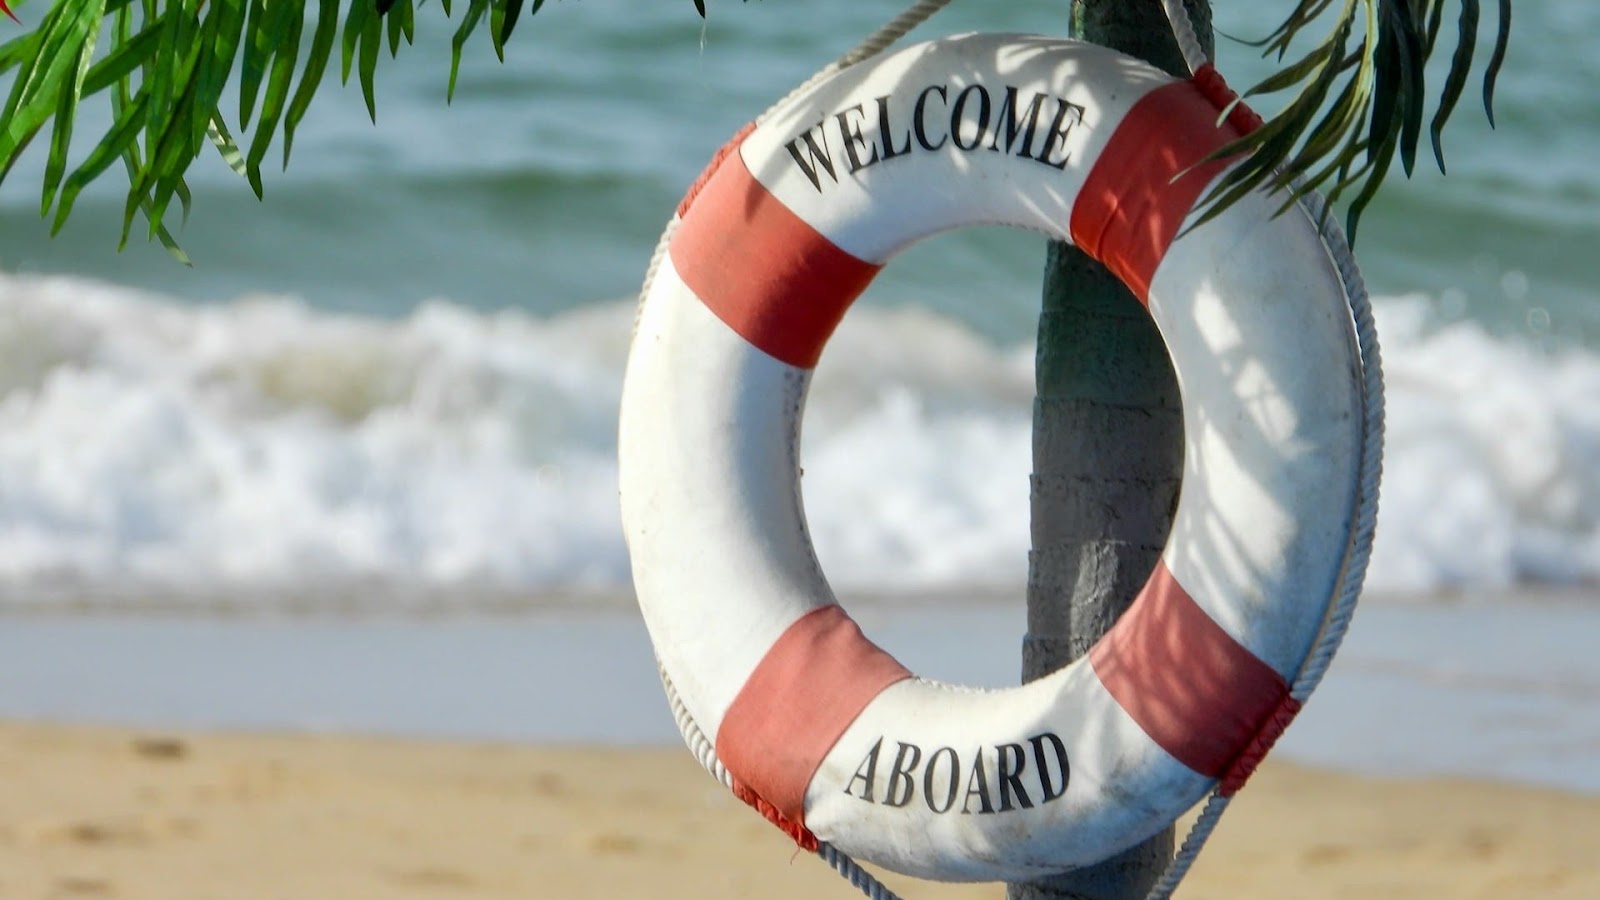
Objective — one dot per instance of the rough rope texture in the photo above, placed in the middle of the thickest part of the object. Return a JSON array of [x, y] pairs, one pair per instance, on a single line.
[[1194, 56], [1359, 551], [703, 750], [699, 745]]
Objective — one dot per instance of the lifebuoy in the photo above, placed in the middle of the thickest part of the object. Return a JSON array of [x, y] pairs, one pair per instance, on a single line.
[[826, 733]]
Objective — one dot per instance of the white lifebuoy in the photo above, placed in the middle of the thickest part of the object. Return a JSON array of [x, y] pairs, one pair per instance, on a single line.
[[823, 731]]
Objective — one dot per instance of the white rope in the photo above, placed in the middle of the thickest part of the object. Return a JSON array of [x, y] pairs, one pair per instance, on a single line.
[[699, 745], [706, 753], [1359, 549], [1194, 56]]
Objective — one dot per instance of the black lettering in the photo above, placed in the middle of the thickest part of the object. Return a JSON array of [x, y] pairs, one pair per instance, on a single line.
[[977, 777], [1059, 127], [851, 133], [983, 116], [1006, 122], [919, 120], [900, 775], [1011, 776], [1042, 763], [866, 773], [821, 157], [886, 133], [952, 784]]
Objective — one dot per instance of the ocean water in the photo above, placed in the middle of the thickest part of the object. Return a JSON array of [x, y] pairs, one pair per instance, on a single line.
[[399, 372]]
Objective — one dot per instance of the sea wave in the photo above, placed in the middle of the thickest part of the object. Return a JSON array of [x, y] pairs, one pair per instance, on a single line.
[[149, 445]]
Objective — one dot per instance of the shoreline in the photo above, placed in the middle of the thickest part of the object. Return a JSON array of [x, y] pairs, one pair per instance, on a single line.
[[1453, 752], [1507, 690], [143, 814]]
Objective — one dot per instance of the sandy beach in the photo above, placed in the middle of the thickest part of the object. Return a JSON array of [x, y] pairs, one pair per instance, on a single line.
[[170, 815], [1450, 754]]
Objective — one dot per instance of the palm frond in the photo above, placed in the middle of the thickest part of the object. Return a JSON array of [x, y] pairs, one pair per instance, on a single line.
[[165, 69], [167, 65], [1379, 49]]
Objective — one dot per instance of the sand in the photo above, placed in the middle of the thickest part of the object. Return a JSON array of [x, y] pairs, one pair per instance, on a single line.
[[114, 813]]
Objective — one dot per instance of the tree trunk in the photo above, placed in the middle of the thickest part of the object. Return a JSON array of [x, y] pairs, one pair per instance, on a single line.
[[1107, 452]]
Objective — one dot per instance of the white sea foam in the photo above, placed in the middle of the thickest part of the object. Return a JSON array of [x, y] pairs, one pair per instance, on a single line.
[[259, 445], [1492, 469]]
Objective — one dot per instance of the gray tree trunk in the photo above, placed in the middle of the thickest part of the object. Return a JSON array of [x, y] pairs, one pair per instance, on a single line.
[[1107, 452]]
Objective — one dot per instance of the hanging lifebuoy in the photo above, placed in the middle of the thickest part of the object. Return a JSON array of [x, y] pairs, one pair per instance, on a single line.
[[820, 729]]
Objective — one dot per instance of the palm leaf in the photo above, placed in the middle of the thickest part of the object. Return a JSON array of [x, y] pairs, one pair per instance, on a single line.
[[311, 76], [166, 69], [169, 63], [1377, 115]]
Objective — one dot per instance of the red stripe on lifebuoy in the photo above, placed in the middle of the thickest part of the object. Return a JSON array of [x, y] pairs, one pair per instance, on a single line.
[[732, 146], [1195, 690], [762, 269], [813, 682], [1260, 745], [1147, 179]]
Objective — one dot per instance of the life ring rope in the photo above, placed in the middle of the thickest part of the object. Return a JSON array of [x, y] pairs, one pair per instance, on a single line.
[[1336, 620], [702, 748]]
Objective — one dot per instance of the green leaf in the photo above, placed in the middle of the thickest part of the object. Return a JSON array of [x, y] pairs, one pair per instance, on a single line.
[[219, 42], [408, 22], [122, 60], [124, 133], [278, 83], [1456, 80], [1374, 178], [1308, 66], [35, 96], [134, 201], [396, 29], [121, 103], [172, 65], [355, 22], [316, 65], [371, 44], [1323, 141], [258, 48], [503, 20], [223, 141], [1303, 14], [17, 49], [1412, 96], [1376, 113], [469, 21], [173, 150], [67, 104], [1435, 20], [1386, 90], [1492, 73], [184, 198], [497, 17], [398, 21]]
